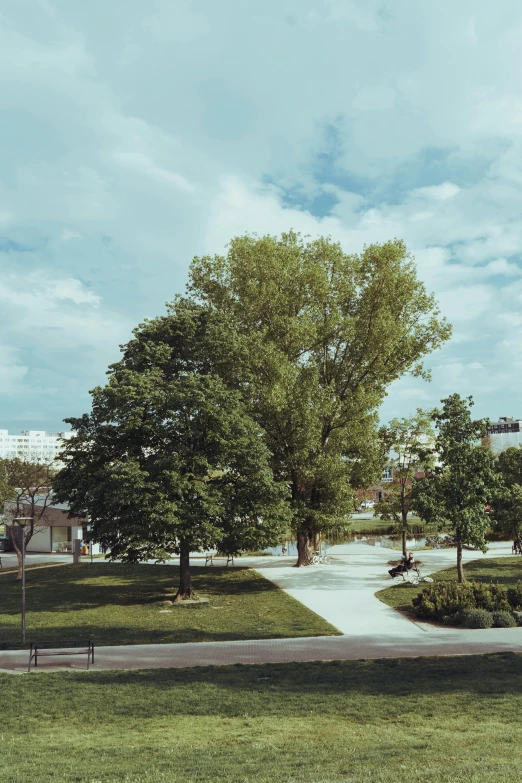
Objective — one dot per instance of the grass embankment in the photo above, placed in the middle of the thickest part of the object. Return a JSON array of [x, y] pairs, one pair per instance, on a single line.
[[506, 571], [455, 720], [120, 604], [376, 526]]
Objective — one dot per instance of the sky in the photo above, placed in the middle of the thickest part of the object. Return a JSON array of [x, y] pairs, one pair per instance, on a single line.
[[137, 134]]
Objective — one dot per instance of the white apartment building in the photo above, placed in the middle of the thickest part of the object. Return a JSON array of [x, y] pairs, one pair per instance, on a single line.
[[33, 445], [505, 433]]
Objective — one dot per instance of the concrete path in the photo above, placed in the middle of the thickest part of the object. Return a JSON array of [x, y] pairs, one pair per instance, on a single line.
[[343, 592], [323, 648], [10, 560]]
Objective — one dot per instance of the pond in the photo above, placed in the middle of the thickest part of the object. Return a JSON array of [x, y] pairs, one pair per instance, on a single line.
[[391, 541]]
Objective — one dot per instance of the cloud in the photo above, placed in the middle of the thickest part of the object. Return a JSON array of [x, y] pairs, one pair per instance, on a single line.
[[12, 372], [419, 395], [438, 192], [140, 163], [172, 128]]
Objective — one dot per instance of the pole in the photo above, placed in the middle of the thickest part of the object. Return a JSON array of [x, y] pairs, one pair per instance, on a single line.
[[23, 586]]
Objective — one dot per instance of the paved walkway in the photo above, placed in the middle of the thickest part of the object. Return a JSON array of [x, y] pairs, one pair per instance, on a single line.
[[321, 648], [343, 592]]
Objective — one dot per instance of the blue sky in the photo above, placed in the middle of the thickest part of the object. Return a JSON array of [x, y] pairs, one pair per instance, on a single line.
[[138, 133]]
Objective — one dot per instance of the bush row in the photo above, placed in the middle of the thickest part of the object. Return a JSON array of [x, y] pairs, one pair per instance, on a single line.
[[473, 604]]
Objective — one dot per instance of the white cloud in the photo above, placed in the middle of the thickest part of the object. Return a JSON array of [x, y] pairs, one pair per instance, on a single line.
[[140, 163], [471, 31], [12, 372], [419, 395], [71, 289], [67, 235], [438, 192]]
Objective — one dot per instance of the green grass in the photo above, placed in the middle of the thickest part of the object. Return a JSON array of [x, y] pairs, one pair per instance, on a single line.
[[503, 570], [120, 604], [448, 720]]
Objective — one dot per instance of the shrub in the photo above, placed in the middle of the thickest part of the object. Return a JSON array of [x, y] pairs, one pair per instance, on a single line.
[[478, 618], [491, 597], [443, 599], [515, 596], [452, 619], [503, 620]]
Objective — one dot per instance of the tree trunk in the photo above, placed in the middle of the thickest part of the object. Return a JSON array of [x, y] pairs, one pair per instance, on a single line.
[[460, 569], [304, 556], [404, 516], [185, 585]]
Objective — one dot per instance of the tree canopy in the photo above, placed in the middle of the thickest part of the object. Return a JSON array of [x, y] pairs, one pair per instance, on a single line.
[[325, 333], [507, 500], [409, 444], [454, 494], [168, 460]]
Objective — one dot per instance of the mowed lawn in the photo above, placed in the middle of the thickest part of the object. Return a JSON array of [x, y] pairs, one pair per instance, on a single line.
[[506, 571], [451, 720], [123, 604]]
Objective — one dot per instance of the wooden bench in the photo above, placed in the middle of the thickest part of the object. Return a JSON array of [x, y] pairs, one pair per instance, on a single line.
[[209, 558], [67, 647]]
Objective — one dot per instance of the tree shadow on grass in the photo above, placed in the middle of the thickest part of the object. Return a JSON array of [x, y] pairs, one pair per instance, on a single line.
[[327, 688], [87, 587], [124, 636]]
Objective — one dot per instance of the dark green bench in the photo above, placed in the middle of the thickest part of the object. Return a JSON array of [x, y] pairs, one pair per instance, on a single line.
[[68, 647]]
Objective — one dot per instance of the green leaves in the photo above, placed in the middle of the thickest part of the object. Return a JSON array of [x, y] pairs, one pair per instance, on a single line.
[[324, 334], [454, 494], [169, 453], [507, 500]]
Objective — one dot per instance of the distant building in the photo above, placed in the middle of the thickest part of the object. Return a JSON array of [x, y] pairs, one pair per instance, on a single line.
[[504, 433], [56, 533], [378, 491], [33, 445]]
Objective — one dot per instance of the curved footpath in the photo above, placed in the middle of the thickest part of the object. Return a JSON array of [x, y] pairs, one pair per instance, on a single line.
[[344, 594]]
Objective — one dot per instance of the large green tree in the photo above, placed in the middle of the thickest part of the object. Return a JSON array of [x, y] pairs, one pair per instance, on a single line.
[[409, 443], [506, 510], [325, 334], [169, 461], [454, 494]]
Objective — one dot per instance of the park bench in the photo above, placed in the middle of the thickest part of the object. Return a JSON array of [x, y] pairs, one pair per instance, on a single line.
[[399, 564], [210, 556], [68, 647]]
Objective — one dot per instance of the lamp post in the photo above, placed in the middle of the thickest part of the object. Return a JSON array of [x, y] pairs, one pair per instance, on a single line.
[[23, 521]]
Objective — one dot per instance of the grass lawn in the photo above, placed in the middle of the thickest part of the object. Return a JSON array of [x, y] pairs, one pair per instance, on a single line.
[[448, 720], [503, 570], [121, 604]]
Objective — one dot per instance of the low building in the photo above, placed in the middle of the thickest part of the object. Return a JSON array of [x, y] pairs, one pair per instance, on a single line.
[[504, 433], [57, 533], [378, 491]]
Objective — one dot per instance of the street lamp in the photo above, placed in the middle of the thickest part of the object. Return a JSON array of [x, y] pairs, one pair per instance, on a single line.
[[23, 521]]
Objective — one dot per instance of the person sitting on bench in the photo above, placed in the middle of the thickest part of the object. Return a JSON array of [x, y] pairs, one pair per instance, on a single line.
[[407, 564], [517, 545]]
